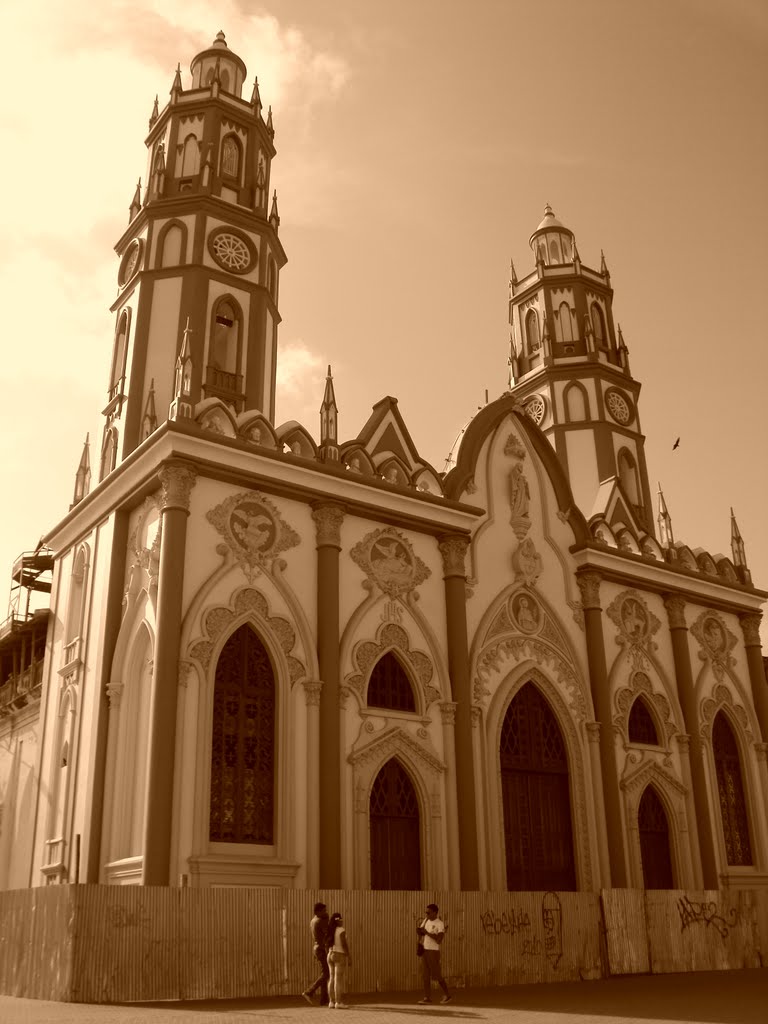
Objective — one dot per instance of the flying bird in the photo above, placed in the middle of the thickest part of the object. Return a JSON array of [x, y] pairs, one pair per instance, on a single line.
[[677, 442]]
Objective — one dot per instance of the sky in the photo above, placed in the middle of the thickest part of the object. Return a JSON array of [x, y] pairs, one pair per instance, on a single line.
[[418, 142]]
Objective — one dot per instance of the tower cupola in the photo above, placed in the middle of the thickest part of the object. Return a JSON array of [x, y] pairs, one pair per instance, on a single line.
[[218, 64], [553, 244]]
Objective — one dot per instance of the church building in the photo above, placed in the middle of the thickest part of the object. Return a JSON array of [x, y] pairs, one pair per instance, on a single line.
[[278, 659]]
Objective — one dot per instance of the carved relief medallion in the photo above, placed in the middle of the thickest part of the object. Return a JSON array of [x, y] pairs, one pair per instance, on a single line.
[[514, 447], [716, 642], [526, 613], [636, 623], [253, 529], [389, 561]]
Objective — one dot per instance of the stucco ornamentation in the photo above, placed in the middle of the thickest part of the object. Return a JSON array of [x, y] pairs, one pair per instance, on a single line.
[[312, 691], [453, 549], [448, 712], [716, 642], [114, 694], [388, 560], [247, 602], [176, 480], [639, 682], [527, 563], [390, 742], [328, 518], [721, 698], [390, 636], [636, 625], [514, 447], [750, 627], [253, 528], [521, 648]]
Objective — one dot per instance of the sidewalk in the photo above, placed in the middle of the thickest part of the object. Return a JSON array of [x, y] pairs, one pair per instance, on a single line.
[[719, 997]]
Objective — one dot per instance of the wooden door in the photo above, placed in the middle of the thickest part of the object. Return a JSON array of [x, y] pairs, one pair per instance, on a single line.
[[654, 842], [395, 831]]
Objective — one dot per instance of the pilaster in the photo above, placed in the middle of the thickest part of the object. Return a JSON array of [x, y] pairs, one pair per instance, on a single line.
[[750, 627], [312, 691]]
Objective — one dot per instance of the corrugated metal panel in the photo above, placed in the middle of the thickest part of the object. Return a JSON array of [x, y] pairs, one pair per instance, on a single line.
[[626, 936]]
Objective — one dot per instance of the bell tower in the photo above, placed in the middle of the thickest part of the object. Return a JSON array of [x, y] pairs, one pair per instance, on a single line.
[[569, 367], [200, 259]]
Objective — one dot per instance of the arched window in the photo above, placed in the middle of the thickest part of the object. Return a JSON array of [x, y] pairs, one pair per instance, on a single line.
[[395, 831], [654, 842], [389, 686], [554, 251], [272, 279], [172, 247], [628, 476], [532, 330], [190, 157], [209, 76], [567, 255], [225, 342], [108, 453], [730, 788], [598, 325], [75, 602], [230, 157], [542, 252], [224, 79], [536, 796], [576, 403], [565, 322], [243, 743], [641, 725], [121, 344]]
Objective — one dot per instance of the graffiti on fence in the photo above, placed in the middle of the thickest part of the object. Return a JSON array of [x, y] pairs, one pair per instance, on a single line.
[[709, 914], [517, 920]]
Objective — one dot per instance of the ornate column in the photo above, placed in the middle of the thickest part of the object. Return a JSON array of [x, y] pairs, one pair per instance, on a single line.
[[604, 860], [448, 715], [453, 548], [750, 627], [177, 480], [589, 585], [312, 690], [675, 606], [328, 517], [684, 743]]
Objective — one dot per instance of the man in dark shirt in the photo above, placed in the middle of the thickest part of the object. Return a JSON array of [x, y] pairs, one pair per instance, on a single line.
[[318, 926]]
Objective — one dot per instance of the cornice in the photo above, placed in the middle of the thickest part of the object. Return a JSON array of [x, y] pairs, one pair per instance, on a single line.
[[203, 102], [532, 282], [665, 579], [235, 462]]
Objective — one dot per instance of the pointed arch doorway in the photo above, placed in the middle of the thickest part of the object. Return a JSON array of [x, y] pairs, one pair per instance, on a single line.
[[538, 835], [653, 826], [394, 830]]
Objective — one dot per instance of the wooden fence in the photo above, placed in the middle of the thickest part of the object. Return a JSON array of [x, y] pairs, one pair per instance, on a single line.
[[105, 944]]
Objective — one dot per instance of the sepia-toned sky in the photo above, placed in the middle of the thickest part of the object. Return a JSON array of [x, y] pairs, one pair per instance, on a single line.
[[418, 141]]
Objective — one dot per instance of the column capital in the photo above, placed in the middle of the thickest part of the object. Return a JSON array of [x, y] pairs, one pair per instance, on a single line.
[[448, 711], [750, 627], [593, 732], [177, 479], [683, 741], [477, 715], [453, 548], [675, 605], [588, 583], [328, 517], [312, 690], [761, 749]]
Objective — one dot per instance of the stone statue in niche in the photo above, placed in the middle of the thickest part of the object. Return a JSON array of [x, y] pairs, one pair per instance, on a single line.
[[526, 613], [519, 501], [526, 562]]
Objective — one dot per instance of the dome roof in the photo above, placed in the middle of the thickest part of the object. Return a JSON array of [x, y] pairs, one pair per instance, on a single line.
[[550, 223]]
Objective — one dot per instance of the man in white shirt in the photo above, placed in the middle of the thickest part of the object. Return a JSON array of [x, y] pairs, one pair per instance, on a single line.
[[432, 932]]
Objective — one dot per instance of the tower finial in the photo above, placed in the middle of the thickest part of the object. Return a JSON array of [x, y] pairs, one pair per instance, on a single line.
[[176, 86], [329, 422], [666, 537], [274, 216], [603, 265], [256, 97], [155, 111], [83, 474], [149, 420], [270, 126], [135, 206], [737, 546], [181, 406]]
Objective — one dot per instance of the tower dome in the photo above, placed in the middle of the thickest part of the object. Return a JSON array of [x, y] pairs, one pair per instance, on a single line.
[[218, 60], [552, 242]]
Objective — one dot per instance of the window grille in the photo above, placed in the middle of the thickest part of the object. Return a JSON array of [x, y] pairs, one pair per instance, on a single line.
[[733, 806], [389, 686]]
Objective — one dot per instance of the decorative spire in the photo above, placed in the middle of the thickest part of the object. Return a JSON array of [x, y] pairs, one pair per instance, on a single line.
[[181, 406], [176, 87], [329, 416], [256, 97], [512, 274], [666, 537], [157, 181], [155, 112], [603, 265], [83, 474], [270, 126], [737, 545], [623, 351], [149, 422], [576, 257], [546, 337], [135, 206], [511, 359], [274, 216]]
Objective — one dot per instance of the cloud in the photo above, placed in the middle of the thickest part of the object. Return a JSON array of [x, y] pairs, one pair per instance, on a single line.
[[300, 384]]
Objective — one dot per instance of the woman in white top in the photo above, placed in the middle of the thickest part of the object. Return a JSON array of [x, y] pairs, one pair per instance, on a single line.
[[338, 961]]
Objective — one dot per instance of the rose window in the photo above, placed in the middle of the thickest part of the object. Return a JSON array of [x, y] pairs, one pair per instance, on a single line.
[[618, 406], [231, 251], [535, 408]]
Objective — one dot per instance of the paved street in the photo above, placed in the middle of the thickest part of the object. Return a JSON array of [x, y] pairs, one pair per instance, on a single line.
[[735, 997]]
